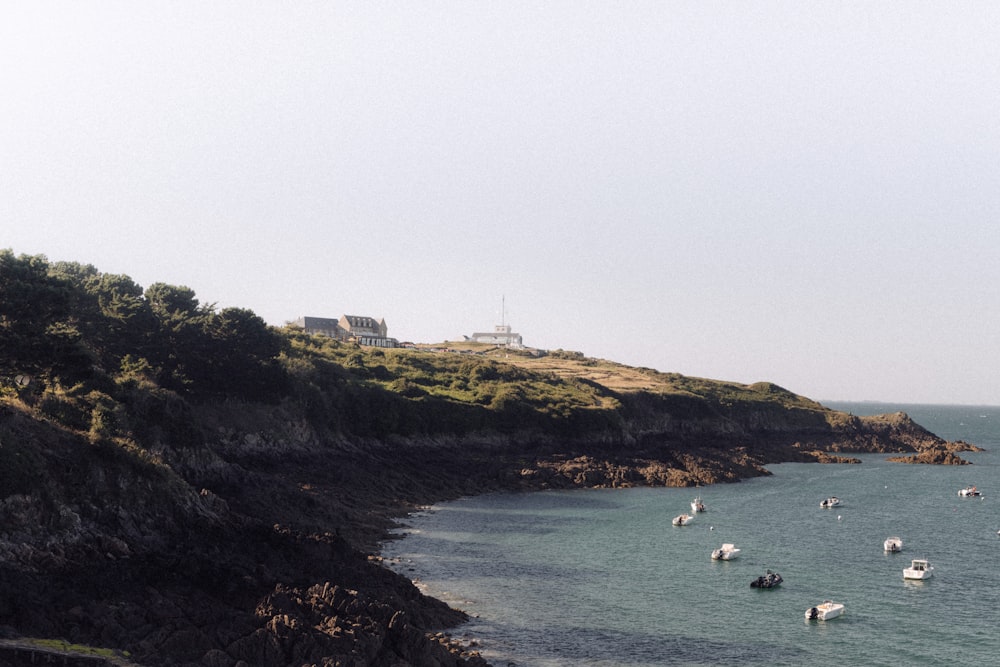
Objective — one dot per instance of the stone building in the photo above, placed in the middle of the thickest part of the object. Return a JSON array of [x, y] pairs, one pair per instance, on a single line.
[[359, 325], [360, 329], [367, 331]]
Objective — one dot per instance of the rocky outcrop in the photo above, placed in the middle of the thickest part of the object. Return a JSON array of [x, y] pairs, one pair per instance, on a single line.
[[935, 457], [197, 488], [610, 470], [248, 545], [103, 551]]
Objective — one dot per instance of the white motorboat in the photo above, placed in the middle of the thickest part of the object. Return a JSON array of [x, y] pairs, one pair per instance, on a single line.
[[726, 552], [919, 569], [697, 505], [969, 491], [682, 519], [825, 611], [893, 545], [832, 501]]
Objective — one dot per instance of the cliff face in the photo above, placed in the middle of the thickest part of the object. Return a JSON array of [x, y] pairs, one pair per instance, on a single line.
[[196, 487], [101, 549], [237, 533]]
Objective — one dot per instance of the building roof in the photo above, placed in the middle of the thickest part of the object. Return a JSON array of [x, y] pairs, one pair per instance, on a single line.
[[362, 321], [318, 322]]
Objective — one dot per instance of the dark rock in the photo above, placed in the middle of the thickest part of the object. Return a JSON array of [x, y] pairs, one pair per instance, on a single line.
[[935, 457], [251, 546]]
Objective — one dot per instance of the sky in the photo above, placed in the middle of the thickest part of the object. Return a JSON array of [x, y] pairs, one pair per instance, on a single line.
[[806, 193]]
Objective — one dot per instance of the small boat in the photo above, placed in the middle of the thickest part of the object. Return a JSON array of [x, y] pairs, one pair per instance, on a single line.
[[682, 519], [726, 552], [697, 505], [825, 611], [767, 580], [832, 501], [919, 569], [893, 545], [969, 491]]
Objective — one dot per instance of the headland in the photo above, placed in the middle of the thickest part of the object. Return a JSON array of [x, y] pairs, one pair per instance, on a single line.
[[180, 486]]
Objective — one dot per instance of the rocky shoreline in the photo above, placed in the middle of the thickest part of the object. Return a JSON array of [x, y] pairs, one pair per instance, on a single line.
[[258, 546], [181, 485]]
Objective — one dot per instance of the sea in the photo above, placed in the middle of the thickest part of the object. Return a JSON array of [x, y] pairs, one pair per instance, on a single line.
[[600, 577]]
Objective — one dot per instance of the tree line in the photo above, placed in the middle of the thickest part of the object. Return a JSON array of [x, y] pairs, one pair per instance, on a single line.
[[69, 323], [106, 355]]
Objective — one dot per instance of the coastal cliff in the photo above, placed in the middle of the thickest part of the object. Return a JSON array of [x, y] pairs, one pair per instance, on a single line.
[[180, 486], [249, 540]]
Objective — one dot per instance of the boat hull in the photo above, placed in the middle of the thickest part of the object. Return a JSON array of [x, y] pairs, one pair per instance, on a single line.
[[919, 569], [917, 574], [824, 612], [769, 580]]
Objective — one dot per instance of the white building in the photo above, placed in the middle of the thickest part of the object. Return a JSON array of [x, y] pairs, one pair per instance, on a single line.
[[502, 335]]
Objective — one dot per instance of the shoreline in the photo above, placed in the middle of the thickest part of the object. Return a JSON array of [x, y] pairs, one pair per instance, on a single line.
[[279, 563], [473, 576]]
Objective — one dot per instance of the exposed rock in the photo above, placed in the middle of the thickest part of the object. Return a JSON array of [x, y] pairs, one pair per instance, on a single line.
[[935, 457], [251, 547], [825, 457]]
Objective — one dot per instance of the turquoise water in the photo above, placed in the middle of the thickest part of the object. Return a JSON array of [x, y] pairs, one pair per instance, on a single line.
[[601, 578]]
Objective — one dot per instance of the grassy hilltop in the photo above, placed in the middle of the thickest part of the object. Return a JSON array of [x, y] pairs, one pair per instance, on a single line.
[[192, 486]]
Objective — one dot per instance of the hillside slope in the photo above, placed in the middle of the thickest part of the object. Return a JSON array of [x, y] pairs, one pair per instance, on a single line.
[[194, 487]]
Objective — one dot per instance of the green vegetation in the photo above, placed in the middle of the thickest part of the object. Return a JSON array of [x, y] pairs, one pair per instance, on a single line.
[[62, 646], [68, 324], [100, 355], [371, 391], [180, 480]]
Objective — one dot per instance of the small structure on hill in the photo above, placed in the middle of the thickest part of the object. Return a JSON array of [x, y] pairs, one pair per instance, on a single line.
[[501, 335]]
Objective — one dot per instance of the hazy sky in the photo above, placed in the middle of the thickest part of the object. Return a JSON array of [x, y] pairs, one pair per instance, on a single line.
[[801, 192]]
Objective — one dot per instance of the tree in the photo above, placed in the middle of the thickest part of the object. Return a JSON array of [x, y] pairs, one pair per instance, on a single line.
[[177, 339], [170, 300], [109, 311], [243, 330], [241, 354], [121, 299], [34, 309]]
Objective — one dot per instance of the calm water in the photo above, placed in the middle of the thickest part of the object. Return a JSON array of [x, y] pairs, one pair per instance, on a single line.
[[601, 578]]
